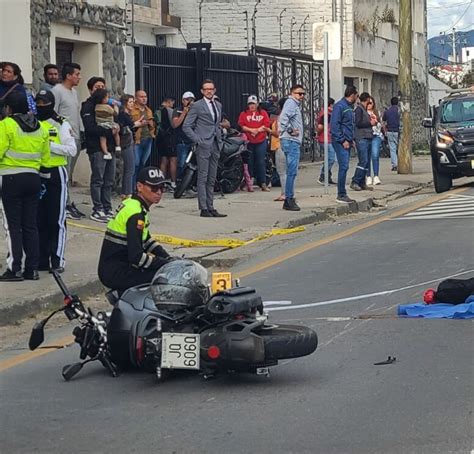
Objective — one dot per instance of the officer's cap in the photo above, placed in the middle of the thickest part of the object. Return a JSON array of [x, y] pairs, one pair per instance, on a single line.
[[151, 176], [45, 96]]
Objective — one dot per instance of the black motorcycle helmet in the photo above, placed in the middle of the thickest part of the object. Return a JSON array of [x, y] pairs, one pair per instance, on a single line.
[[180, 284]]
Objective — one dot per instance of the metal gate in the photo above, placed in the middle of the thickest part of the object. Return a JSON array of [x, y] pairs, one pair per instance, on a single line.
[[278, 70]]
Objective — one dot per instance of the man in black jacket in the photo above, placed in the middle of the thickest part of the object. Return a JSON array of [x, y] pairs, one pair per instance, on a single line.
[[102, 170], [363, 138]]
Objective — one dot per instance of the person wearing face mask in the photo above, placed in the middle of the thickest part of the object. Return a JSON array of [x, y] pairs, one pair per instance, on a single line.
[[24, 149], [54, 184]]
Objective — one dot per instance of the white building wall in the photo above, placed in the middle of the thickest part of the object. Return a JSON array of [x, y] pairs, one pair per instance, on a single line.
[[223, 22], [15, 39], [467, 54]]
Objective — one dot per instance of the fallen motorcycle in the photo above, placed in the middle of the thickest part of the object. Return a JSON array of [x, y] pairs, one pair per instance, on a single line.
[[175, 323]]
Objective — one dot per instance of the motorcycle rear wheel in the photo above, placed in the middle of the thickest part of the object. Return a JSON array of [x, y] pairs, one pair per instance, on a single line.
[[184, 184], [231, 178], [288, 341]]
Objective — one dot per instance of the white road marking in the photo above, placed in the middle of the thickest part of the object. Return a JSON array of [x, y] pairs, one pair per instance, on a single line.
[[453, 207], [276, 303], [368, 295]]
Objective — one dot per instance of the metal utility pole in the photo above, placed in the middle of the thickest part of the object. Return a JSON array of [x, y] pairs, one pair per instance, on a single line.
[[292, 24], [405, 165], [454, 46], [200, 20], [281, 25]]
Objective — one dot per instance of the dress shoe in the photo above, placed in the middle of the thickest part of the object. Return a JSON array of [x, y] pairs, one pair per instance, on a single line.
[[206, 214], [216, 214], [31, 275], [10, 276]]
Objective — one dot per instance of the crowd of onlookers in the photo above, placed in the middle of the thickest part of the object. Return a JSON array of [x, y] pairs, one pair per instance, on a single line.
[[129, 130]]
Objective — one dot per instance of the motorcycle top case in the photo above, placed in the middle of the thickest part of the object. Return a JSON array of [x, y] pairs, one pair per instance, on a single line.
[[235, 301]]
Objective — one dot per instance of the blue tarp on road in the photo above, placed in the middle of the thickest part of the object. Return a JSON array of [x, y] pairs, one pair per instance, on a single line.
[[440, 310]]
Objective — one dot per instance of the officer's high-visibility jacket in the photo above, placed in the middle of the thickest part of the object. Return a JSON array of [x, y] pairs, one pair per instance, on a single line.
[[24, 145], [62, 143], [128, 240]]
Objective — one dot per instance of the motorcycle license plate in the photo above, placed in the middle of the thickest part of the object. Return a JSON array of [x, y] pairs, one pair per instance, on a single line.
[[180, 351]]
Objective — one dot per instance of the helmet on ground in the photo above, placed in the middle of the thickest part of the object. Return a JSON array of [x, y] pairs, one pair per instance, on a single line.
[[179, 284]]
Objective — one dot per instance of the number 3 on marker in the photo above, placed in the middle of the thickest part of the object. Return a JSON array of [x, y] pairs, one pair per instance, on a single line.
[[221, 281]]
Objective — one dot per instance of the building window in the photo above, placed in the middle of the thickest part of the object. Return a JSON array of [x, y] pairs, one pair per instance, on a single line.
[[143, 3]]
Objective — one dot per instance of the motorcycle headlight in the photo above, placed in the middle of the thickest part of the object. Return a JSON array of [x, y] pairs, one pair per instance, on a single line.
[[444, 140]]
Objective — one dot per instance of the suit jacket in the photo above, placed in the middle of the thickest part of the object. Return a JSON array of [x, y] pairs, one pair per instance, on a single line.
[[200, 126]]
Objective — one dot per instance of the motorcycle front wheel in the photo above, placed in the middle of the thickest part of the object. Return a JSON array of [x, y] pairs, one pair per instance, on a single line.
[[184, 183], [288, 341]]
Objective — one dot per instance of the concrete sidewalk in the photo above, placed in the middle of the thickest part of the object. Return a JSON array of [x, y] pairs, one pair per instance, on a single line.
[[249, 215]]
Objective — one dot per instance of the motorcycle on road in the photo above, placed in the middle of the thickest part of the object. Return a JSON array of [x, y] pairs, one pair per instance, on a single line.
[[176, 323]]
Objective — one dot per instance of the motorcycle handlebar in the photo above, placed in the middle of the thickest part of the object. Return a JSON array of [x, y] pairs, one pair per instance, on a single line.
[[61, 283]]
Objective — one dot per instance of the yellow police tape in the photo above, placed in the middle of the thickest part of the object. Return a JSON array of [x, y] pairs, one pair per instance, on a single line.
[[220, 242]]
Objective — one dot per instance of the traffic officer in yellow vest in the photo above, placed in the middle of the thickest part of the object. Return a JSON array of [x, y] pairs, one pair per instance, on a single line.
[[54, 178], [129, 255], [24, 148]]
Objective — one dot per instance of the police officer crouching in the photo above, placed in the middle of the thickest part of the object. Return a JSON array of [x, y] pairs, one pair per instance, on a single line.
[[54, 188], [24, 148], [129, 255]]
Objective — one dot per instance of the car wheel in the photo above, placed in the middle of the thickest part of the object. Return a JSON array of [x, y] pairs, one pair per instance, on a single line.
[[442, 182]]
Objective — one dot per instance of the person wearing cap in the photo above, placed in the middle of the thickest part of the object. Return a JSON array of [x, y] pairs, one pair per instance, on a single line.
[[183, 143], [24, 148], [255, 122], [129, 255], [54, 184]]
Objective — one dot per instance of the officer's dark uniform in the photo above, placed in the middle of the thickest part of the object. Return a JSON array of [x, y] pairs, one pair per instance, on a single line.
[[24, 148], [54, 179], [129, 255]]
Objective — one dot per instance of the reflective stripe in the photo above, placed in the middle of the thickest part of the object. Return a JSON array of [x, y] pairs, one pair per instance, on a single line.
[[148, 243], [142, 260], [115, 240], [152, 246], [25, 156], [148, 261]]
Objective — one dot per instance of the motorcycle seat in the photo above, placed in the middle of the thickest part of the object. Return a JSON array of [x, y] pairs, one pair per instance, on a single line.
[[139, 297]]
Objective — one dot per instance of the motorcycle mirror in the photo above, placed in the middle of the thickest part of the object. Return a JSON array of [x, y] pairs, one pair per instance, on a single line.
[[37, 335], [70, 370]]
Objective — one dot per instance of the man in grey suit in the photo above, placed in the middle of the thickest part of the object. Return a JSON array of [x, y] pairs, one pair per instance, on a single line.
[[202, 126]]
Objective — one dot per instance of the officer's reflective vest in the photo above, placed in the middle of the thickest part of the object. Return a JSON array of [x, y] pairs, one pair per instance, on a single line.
[[55, 160], [117, 227], [21, 151]]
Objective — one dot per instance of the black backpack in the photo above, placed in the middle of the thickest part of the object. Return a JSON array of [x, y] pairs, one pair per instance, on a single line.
[[455, 291]]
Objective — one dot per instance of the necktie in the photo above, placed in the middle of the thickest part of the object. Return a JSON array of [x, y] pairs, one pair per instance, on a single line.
[[214, 110]]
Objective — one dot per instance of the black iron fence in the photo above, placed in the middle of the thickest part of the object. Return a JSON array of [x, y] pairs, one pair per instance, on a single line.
[[170, 71], [278, 70]]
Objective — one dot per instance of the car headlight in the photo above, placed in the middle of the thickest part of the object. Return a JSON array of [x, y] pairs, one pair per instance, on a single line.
[[444, 140]]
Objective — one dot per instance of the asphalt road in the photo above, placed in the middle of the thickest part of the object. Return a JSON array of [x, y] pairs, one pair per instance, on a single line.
[[334, 401]]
